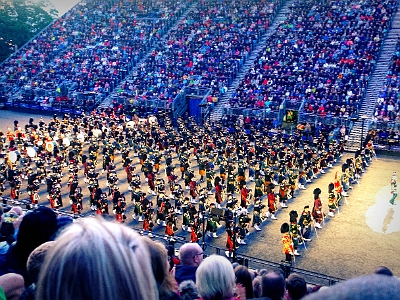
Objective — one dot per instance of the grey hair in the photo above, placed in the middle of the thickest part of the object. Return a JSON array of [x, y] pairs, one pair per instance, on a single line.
[[215, 278]]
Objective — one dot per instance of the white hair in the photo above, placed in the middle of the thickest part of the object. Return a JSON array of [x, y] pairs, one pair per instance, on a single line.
[[215, 278], [99, 260]]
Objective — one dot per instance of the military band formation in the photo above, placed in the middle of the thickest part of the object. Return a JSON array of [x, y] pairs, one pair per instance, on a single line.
[[180, 176]]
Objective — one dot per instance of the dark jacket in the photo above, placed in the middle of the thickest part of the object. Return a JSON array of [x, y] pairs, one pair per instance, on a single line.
[[183, 273]]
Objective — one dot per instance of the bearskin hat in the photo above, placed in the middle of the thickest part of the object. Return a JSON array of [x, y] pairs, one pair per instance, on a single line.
[[293, 216], [317, 191], [284, 228]]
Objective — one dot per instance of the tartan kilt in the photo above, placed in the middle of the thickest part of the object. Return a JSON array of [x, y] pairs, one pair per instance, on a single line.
[[229, 244], [119, 218], [256, 218], [240, 178]]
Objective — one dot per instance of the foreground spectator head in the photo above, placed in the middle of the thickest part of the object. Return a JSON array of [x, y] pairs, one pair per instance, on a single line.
[[159, 264], [37, 227], [12, 285], [187, 290], [382, 270], [296, 286], [36, 259], [273, 285], [191, 256], [243, 277], [371, 287], [98, 260], [215, 278], [257, 286]]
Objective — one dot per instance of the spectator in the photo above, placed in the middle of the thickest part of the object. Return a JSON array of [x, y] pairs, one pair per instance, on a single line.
[[371, 287], [159, 263], [98, 260], [272, 286], [34, 265], [215, 279], [12, 285], [296, 287], [187, 290], [191, 256], [243, 277], [37, 227]]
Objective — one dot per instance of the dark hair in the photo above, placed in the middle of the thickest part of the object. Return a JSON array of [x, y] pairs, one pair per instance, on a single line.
[[243, 277], [296, 286], [382, 270], [273, 285], [37, 227]]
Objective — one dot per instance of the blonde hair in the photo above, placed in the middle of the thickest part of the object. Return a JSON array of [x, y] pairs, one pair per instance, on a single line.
[[99, 260], [159, 263], [215, 278]]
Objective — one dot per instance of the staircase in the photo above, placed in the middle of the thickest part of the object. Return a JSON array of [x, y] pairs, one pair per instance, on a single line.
[[108, 100], [361, 126], [218, 111]]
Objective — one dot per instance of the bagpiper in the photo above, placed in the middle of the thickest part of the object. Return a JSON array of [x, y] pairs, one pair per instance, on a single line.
[[294, 230], [317, 209]]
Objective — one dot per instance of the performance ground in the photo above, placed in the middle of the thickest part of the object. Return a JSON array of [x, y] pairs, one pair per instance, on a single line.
[[363, 235]]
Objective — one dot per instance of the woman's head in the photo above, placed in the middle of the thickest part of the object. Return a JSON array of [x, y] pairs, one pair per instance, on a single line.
[[96, 259], [160, 266], [243, 277], [215, 278]]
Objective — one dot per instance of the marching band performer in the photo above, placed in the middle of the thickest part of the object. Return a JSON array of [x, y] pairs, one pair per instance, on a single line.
[[305, 223], [271, 203], [317, 209], [120, 209], [193, 190], [338, 190], [331, 200], [393, 187], [294, 230], [230, 238], [287, 243], [283, 194], [257, 213], [244, 222], [244, 194]]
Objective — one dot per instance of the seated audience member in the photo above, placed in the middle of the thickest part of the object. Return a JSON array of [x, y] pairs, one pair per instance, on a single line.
[[215, 279], [243, 277], [11, 285], [382, 270], [94, 259], [272, 286], [33, 266], [37, 227], [159, 263], [191, 256], [296, 287], [371, 287]]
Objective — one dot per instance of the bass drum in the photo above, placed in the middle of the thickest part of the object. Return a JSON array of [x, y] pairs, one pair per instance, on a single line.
[[66, 142], [49, 146], [31, 152]]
